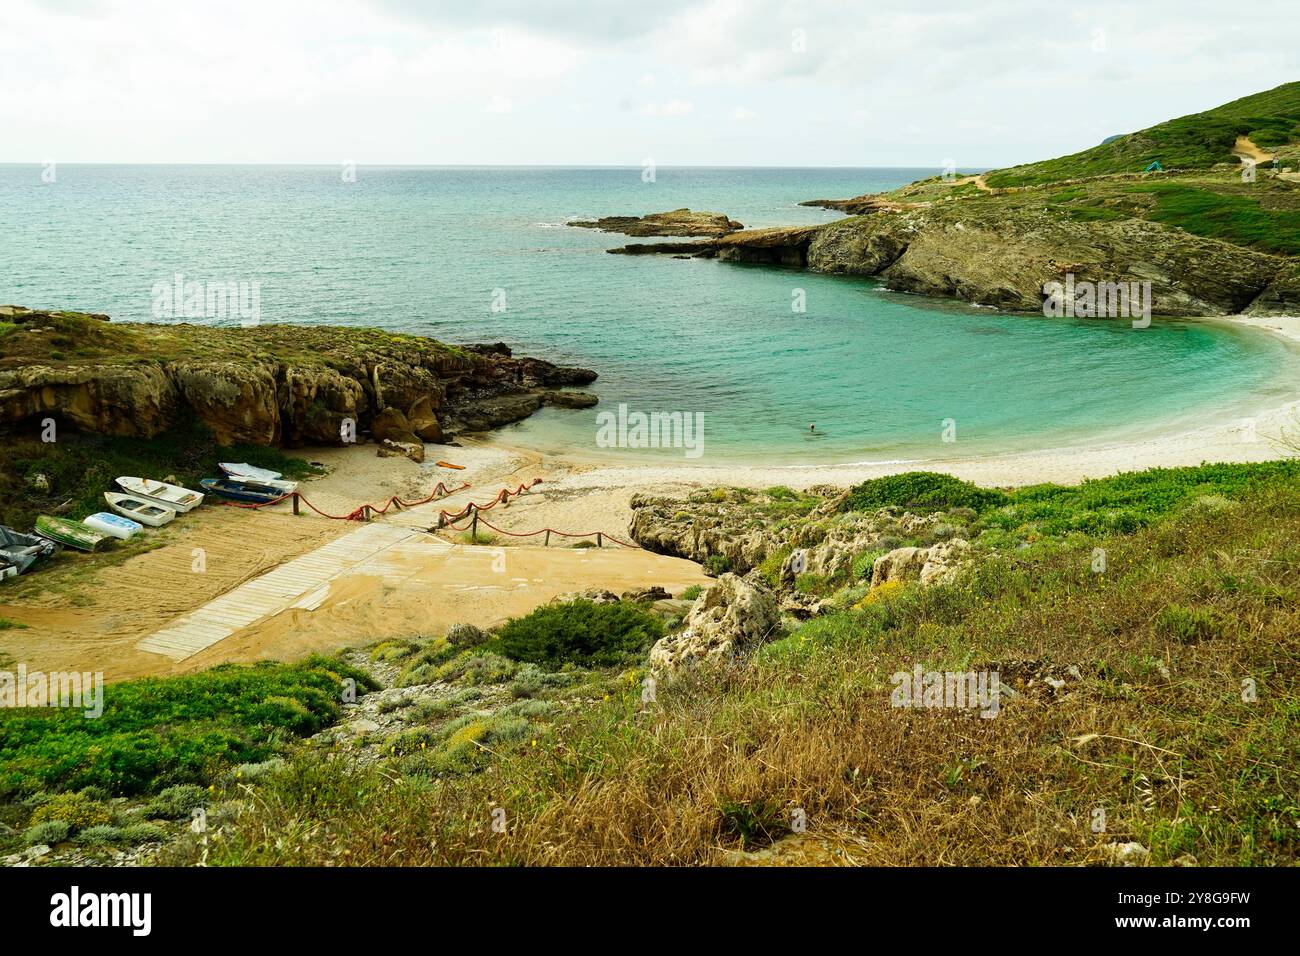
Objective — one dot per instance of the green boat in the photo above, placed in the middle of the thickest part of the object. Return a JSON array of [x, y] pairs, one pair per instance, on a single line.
[[74, 534]]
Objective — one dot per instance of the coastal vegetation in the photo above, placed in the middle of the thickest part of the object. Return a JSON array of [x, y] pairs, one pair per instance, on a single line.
[[1198, 141], [1156, 692]]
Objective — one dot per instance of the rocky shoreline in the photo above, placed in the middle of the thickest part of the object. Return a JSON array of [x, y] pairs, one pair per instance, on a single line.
[[273, 386], [993, 255]]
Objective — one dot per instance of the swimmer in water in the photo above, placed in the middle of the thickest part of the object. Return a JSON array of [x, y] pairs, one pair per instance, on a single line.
[[812, 427]]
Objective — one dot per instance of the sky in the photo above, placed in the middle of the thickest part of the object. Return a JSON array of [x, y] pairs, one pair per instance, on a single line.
[[615, 82]]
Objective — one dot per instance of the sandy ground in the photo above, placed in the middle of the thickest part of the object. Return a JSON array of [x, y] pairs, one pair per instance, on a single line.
[[88, 612]]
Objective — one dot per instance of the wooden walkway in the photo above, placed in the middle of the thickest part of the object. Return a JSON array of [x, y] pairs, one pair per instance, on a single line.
[[374, 548]]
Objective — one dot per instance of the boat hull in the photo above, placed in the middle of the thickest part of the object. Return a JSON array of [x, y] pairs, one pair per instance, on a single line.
[[238, 491], [72, 534], [113, 525]]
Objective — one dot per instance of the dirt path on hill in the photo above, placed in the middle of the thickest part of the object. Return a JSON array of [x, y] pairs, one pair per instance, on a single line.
[[1247, 150]]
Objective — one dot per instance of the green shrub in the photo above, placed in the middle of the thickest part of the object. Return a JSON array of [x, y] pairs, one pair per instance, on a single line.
[[50, 832], [1187, 625], [477, 668], [175, 803], [692, 592], [862, 564], [78, 810], [579, 632], [716, 564], [920, 491], [156, 732], [143, 833], [754, 822], [102, 835]]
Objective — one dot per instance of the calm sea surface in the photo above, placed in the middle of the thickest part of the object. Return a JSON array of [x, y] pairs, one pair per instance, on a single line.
[[430, 250]]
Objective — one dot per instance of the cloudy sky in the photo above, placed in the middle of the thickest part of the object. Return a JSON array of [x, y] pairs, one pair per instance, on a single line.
[[615, 82]]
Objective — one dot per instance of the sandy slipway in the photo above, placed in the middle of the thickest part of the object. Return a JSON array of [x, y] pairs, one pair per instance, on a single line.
[[271, 385]]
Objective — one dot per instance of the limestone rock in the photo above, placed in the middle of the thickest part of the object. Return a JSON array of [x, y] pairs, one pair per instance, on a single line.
[[423, 421], [567, 399], [594, 595], [653, 593], [266, 385], [731, 617], [402, 449], [942, 561], [1127, 854], [391, 425], [901, 564]]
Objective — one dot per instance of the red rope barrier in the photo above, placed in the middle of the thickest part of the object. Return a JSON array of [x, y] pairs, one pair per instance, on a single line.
[[440, 491], [446, 518], [562, 534]]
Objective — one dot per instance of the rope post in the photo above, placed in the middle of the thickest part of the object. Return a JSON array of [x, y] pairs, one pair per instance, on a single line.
[[295, 502], [473, 528], [547, 542], [442, 520], [599, 540], [365, 512]]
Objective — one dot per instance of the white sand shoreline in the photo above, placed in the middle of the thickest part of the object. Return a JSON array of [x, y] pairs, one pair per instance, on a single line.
[[587, 493]]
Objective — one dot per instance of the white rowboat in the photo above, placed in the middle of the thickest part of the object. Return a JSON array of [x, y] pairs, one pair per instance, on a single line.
[[137, 509], [161, 493]]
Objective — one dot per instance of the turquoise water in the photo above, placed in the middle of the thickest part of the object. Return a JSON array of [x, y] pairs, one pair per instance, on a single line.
[[425, 250]]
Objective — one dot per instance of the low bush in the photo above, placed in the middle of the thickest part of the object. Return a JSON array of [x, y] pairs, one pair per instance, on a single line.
[[77, 810], [156, 732], [579, 632], [50, 832], [920, 491]]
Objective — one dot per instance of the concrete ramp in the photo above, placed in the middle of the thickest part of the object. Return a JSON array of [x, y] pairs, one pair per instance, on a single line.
[[301, 583]]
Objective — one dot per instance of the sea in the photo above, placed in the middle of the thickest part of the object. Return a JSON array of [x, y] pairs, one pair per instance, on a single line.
[[754, 355]]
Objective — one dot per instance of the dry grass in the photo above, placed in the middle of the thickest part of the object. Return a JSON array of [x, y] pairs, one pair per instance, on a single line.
[[1154, 730]]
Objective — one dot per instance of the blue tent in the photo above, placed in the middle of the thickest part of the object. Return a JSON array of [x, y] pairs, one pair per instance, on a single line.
[[1154, 167]]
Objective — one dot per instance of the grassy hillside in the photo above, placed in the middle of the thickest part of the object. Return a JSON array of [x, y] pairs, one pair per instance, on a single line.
[[1161, 691], [1198, 141]]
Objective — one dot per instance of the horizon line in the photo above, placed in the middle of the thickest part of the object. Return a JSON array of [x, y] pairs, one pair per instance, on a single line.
[[317, 165]]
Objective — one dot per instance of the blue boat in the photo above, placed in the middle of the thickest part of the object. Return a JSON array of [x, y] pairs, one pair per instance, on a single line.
[[241, 491]]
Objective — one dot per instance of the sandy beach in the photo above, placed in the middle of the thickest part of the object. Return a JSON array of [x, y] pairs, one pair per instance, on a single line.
[[582, 490], [90, 612]]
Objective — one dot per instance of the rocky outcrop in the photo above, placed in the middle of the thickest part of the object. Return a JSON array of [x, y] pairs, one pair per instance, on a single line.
[[679, 222], [401, 449], [931, 565], [730, 618], [392, 425], [266, 385], [1000, 247]]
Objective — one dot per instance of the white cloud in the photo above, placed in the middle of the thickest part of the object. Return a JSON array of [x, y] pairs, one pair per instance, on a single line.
[[670, 108], [403, 81]]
